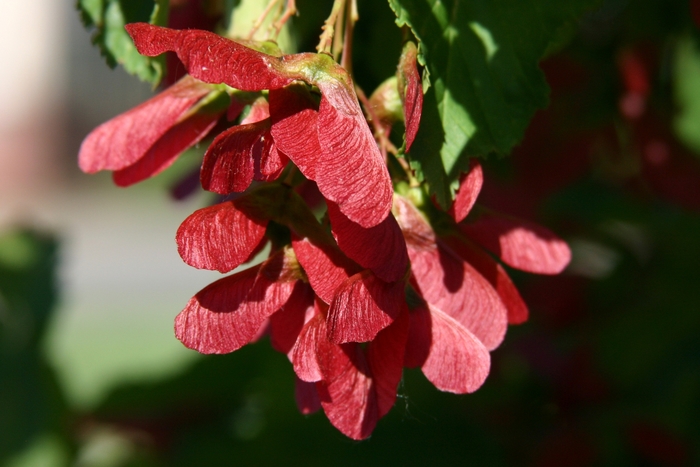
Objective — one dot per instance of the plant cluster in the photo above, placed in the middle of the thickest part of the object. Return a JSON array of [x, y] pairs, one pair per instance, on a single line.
[[368, 267]]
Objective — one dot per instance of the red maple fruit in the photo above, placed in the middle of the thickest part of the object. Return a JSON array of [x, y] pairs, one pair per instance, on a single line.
[[456, 316], [452, 270], [518, 243], [449, 283], [323, 295], [399, 98], [461, 299], [147, 139], [243, 153], [449, 355], [351, 298], [229, 313], [355, 385], [224, 236], [411, 91], [206, 239], [360, 303], [338, 150]]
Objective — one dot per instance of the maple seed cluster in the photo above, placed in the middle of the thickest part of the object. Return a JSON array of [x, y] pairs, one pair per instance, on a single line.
[[382, 281]]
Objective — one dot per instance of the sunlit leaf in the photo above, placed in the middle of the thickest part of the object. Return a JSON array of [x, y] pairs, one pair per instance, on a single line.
[[687, 91], [108, 17], [482, 58]]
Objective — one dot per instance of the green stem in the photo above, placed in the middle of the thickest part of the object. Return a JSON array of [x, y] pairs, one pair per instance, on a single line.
[[326, 40], [289, 11], [261, 19], [351, 18]]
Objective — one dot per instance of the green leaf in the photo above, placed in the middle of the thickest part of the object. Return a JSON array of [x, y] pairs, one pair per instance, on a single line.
[[30, 400], [31, 403], [91, 11], [482, 58], [108, 17], [27, 287], [687, 92]]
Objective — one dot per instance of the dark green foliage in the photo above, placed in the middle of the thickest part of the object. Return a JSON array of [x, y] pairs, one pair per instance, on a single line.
[[108, 17], [485, 84], [30, 401]]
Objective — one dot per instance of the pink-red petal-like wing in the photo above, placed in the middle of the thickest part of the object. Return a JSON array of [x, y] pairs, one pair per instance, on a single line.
[[358, 387], [228, 163], [212, 58], [325, 265], [295, 127], [412, 93], [286, 325], [456, 361], [207, 239], [449, 282], [493, 272], [453, 285], [123, 140], [386, 355], [351, 171], [166, 150], [269, 162], [259, 111], [346, 392], [520, 244], [304, 354], [380, 248], [470, 185], [228, 313], [362, 306]]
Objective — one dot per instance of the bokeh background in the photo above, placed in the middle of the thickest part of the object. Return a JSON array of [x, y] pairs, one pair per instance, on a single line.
[[606, 372]]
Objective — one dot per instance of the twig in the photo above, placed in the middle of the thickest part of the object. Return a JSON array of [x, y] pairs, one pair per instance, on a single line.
[[337, 47], [261, 19], [326, 38], [351, 18], [289, 11]]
